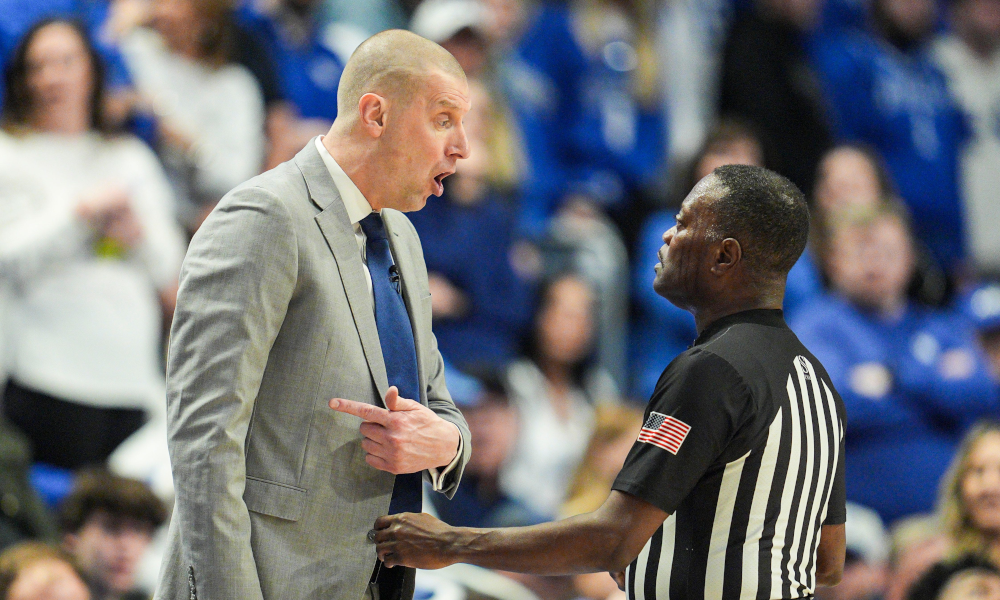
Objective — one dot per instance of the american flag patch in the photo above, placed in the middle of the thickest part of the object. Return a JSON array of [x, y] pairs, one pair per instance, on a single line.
[[664, 431]]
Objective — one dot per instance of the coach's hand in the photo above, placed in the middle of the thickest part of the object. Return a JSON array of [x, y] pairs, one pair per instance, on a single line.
[[414, 540], [406, 438]]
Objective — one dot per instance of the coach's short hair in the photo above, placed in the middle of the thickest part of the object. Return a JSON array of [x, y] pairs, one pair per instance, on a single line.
[[766, 213]]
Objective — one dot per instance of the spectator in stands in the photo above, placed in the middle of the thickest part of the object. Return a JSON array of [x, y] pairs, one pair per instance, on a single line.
[[555, 390], [967, 578], [493, 421], [89, 249], [481, 307], [663, 331], [767, 80], [36, 571], [884, 90], [108, 523], [615, 430], [969, 55], [591, 116], [209, 110], [912, 379], [18, 16], [970, 494], [853, 178], [982, 306], [309, 57]]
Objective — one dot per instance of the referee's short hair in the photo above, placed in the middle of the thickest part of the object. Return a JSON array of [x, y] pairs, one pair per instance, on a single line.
[[766, 213]]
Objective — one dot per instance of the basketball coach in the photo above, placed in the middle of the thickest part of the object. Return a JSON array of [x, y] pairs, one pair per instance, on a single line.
[[304, 284]]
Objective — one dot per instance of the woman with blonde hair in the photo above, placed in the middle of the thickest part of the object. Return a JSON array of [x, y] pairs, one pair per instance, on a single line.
[[970, 494]]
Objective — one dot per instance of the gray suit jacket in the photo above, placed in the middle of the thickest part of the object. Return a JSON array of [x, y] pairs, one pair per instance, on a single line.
[[274, 318]]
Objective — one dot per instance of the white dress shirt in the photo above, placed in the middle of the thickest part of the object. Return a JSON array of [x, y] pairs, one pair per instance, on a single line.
[[357, 209]]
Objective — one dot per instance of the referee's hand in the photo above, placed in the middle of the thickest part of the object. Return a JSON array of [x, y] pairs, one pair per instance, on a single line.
[[413, 540]]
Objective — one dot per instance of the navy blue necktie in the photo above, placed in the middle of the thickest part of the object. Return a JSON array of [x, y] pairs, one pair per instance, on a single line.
[[395, 335]]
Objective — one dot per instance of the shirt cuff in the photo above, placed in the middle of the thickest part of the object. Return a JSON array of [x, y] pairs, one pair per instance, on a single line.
[[438, 476]]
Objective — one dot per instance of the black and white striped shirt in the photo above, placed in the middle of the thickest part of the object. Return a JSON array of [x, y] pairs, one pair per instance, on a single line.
[[743, 445]]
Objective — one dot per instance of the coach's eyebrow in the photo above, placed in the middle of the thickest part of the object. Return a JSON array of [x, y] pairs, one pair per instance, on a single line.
[[445, 102]]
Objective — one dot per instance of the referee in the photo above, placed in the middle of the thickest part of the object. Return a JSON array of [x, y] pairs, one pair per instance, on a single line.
[[735, 486]]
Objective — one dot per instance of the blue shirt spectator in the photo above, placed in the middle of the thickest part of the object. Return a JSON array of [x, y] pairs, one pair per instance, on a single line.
[[586, 130], [468, 244], [912, 379], [308, 57], [894, 98]]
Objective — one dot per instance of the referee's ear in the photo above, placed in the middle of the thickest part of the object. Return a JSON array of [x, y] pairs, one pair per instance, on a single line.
[[728, 255]]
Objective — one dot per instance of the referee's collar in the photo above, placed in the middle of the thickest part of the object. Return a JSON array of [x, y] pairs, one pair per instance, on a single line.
[[771, 317]]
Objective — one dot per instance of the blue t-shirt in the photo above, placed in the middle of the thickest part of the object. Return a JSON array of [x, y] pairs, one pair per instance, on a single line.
[[899, 104], [308, 74], [911, 386]]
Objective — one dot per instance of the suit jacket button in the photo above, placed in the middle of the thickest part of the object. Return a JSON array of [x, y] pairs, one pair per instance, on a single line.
[[371, 535]]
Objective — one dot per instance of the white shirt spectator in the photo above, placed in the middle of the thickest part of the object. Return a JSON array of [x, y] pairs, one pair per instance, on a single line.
[[975, 83], [549, 447], [220, 109], [83, 321]]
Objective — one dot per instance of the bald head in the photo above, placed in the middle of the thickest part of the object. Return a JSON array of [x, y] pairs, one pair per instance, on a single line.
[[391, 64]]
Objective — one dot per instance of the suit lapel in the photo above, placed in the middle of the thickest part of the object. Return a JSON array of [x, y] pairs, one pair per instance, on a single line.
[[336, 228]]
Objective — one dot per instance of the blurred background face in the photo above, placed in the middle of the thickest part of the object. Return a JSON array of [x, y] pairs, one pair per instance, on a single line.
[[981, 484], [906, 20], [565, 322], [847, 180], [493, 423], [742, 151], [972, 585], [48, 579], [804, 14], [871, 264], [109, 550], [59, 73], [179, 22], [978, 21]]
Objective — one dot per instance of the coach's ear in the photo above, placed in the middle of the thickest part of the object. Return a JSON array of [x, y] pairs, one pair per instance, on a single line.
[[727, 256]]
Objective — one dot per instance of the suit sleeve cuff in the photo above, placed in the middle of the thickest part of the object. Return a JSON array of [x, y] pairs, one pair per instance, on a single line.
[[439, 475]]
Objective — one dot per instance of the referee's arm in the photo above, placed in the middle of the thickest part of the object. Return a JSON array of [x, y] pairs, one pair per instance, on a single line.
[[607, 539], [830, 555]]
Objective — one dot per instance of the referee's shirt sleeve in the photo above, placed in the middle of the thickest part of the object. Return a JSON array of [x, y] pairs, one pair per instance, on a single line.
[[701, 391], [836, 511]]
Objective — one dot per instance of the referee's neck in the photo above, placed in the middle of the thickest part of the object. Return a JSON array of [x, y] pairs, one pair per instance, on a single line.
[[705, 316]]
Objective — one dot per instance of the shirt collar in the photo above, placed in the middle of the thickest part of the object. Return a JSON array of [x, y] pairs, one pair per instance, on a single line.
[[758, 316], [354, 201]]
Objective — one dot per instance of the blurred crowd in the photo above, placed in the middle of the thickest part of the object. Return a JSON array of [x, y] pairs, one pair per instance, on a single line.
[[123, 122]]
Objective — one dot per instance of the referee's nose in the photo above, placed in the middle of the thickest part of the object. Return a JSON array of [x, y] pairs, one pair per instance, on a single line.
[[669, 235]]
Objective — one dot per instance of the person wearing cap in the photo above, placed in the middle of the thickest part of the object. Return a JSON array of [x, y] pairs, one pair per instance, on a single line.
[[308, 283]]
